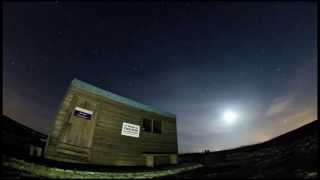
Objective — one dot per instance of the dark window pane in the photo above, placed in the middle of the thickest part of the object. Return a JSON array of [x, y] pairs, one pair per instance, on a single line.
[[147, 125], [157, 126]]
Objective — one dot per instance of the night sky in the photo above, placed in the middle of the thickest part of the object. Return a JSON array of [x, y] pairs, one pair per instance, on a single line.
[[197, 60]]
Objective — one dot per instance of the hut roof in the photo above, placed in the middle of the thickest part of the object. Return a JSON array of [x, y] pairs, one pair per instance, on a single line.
[[98, 91]]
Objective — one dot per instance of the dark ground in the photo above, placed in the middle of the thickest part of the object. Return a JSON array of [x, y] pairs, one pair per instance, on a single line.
[[292, 155]]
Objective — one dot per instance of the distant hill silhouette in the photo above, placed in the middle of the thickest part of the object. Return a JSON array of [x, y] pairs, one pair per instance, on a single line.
[[8, 122], [289, 136], [291, 155], [17, 138]]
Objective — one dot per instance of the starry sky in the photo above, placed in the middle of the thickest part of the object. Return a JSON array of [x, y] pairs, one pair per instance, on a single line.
[[196, 60]]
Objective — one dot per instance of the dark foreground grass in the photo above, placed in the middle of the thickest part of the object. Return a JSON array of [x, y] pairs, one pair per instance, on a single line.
[[17, 168], [290, 156]]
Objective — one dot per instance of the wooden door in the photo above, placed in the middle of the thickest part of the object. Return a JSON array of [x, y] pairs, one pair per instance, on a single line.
[[77, 133], [80, 127]]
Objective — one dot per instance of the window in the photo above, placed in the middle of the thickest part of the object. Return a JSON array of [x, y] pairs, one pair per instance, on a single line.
[[147, 125], [157, 126], [153, 126]]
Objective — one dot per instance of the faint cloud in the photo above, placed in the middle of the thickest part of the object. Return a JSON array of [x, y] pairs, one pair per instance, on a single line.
[[292, 121], [279, 105], [262, 137], [295, 120]]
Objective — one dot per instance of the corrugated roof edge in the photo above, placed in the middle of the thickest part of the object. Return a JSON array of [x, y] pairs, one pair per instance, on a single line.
[[95, 90]]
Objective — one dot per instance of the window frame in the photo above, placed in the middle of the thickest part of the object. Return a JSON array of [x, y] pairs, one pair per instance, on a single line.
[[143, 125], [152, 126], [159, 129]]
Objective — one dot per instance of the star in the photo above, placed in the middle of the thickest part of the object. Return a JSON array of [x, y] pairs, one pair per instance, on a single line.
[[95, 52], [141, 66], [60, 33], [134, 68], [12, 62], [57, 4], [278, 69]]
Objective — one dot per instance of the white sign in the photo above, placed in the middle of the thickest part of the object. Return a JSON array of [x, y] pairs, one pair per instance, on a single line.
[[83, 113], [84, 110], [130, 130]]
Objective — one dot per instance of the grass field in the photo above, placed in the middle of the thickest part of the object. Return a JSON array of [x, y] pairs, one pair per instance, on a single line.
[[17, 168]]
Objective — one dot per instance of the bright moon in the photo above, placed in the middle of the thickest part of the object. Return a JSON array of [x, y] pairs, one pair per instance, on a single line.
[[229, 117]]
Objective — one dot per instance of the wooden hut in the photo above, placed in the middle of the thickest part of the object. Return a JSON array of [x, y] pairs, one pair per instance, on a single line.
[[96, 126]]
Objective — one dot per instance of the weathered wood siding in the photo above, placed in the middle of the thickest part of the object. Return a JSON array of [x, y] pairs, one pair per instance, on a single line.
[[99, 140]]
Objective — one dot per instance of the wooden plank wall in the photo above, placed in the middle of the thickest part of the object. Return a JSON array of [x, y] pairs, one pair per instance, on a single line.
[[108, 146]]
